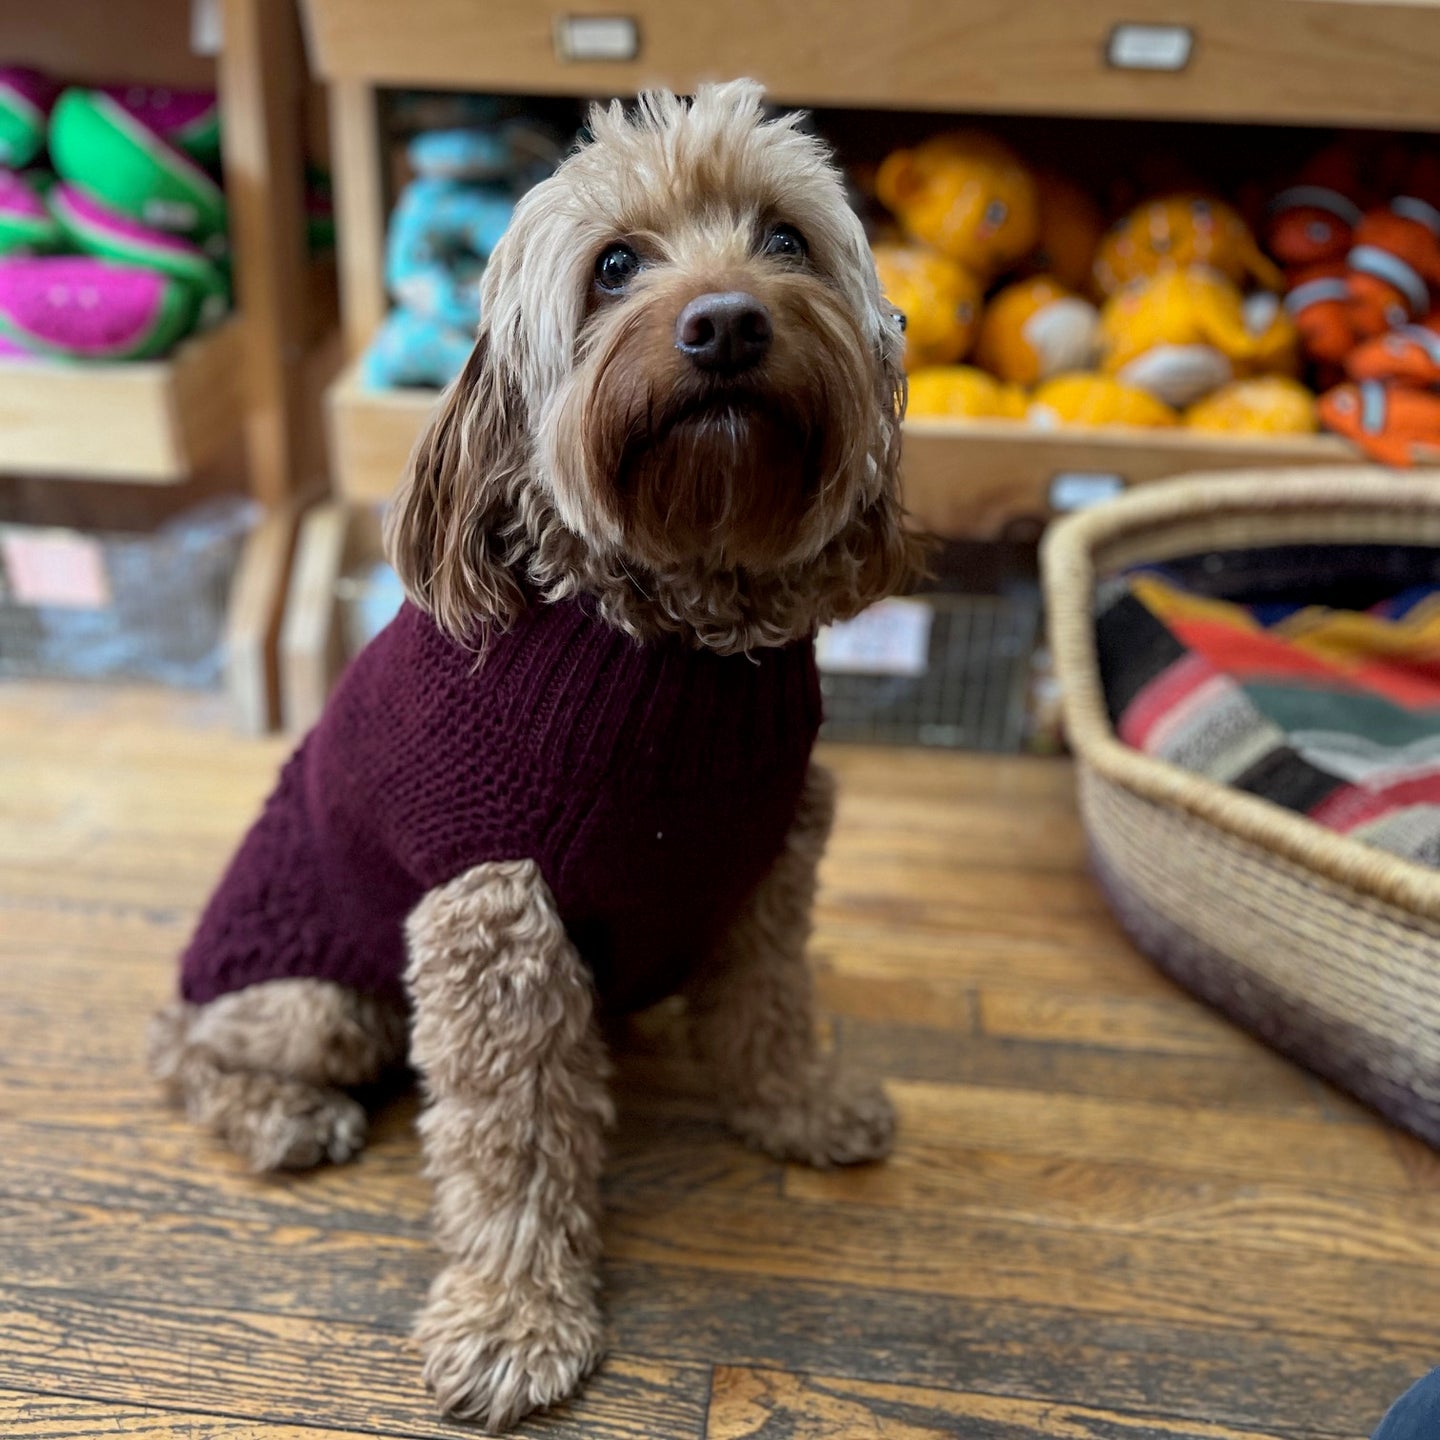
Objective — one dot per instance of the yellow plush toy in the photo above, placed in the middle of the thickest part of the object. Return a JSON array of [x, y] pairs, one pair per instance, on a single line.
[[1095, 400], [966, 194], [961, 392], [1182, 334], [939, 299], [1034, 329], [1178, 231], [1270, 405]]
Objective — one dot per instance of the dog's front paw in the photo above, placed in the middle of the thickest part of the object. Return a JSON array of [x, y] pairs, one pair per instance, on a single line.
[[844, 1120], [496, 1350]]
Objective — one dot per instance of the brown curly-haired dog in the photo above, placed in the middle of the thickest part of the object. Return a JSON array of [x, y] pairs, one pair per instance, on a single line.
[[578, 760]]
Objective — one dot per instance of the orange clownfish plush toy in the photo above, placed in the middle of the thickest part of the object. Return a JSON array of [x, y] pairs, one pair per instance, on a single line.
[[1393, 266], [1391, 424]]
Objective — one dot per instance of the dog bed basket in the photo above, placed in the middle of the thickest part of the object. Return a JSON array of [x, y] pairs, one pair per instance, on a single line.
[[1319, 944]]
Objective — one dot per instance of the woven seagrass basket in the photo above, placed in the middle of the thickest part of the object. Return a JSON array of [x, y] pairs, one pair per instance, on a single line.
[[1323, 946]]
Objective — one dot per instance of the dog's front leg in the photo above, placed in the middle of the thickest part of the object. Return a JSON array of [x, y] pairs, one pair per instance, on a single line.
[[753, 1021], [514, 1071]]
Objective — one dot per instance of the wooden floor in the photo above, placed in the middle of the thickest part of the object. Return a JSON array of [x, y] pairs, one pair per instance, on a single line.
[[1109, 1215]]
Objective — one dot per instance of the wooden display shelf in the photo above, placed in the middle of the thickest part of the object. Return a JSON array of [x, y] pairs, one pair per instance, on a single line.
[[1322, 62], [371, 435], [153, 421], [971, 480], [334, 538]]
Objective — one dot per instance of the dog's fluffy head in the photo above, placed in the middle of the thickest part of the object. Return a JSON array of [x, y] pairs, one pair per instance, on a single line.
[[584, 448]]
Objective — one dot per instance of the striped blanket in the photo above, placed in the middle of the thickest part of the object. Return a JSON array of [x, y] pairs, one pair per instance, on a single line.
[[1330, 708]]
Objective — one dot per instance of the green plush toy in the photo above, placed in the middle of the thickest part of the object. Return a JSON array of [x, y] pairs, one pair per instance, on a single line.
[[25, 100], [96, 143]]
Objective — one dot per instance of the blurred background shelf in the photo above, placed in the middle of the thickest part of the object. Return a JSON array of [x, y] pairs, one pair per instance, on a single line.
[[1324, 62], [154, 422]]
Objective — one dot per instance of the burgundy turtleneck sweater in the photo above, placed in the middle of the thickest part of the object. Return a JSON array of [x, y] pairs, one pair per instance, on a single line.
[[653, 784]]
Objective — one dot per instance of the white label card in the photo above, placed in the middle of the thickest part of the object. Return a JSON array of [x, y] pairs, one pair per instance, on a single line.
[[55, 567], [890, 638], [1078, 489], [596, 37], [1150, 47]]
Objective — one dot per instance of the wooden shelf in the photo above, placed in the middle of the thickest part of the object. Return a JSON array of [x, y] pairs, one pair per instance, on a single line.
[[982, 479], [371, 434], [1323, 62], [153, 421]]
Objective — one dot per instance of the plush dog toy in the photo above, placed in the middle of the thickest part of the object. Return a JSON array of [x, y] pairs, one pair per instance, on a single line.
[[961, 392], [939, 299], [1177, 232], [1034, 329], [1182, 333], [1266, 405], [967, 195], [1090, 400], [574, 775]]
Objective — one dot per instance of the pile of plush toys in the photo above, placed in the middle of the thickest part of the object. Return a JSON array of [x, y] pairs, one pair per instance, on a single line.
[[1171, 317], [1359, 240], [447, 220], [115, 249]]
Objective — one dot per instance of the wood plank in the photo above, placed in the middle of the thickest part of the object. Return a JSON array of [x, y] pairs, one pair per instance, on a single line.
[[357, 157], [54, 1417], [992, 1261], [282, 1369], [749, 1404], [261, 75], [1172, 1024], [1121, 1362], [1276, 1147], [372, 432], [150, 422], [144, 42], [1323, 61], [1251, 1078], [1131, 1199]]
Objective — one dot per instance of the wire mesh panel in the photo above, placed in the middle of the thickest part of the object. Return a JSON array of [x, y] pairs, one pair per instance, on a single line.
[[136, 606], [971, 694]]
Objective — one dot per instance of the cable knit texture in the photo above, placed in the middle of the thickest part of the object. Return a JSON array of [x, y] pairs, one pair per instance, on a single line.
[[654, 785]]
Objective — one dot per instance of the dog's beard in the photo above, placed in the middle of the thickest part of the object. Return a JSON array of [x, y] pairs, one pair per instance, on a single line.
[[683, 470], [728, 477]]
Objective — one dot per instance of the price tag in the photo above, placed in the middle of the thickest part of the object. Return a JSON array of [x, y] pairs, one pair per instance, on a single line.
[[892, 637], [55, 567], [596, 37], [1150, 47], [1079, 489]]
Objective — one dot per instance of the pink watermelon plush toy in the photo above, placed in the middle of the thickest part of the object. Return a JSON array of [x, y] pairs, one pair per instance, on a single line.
[[75, 307], [99, 230], [26, 226], [188, 119]]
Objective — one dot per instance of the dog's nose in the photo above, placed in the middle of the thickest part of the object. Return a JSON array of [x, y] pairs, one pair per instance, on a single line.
[[727, 331]]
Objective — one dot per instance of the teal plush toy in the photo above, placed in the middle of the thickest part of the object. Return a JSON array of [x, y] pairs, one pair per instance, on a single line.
[[442, 231]]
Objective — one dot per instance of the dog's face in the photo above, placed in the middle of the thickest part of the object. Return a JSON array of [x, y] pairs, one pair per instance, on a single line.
[[685, 376]]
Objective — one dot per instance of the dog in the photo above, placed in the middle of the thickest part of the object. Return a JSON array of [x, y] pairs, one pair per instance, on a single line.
[[574, 775]]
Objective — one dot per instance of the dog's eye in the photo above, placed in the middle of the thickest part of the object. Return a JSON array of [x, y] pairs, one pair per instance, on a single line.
[[786, 241], [616, 267]]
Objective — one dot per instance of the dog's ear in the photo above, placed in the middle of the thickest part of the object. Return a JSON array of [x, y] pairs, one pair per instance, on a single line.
[[445, 533], [878, 553]]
